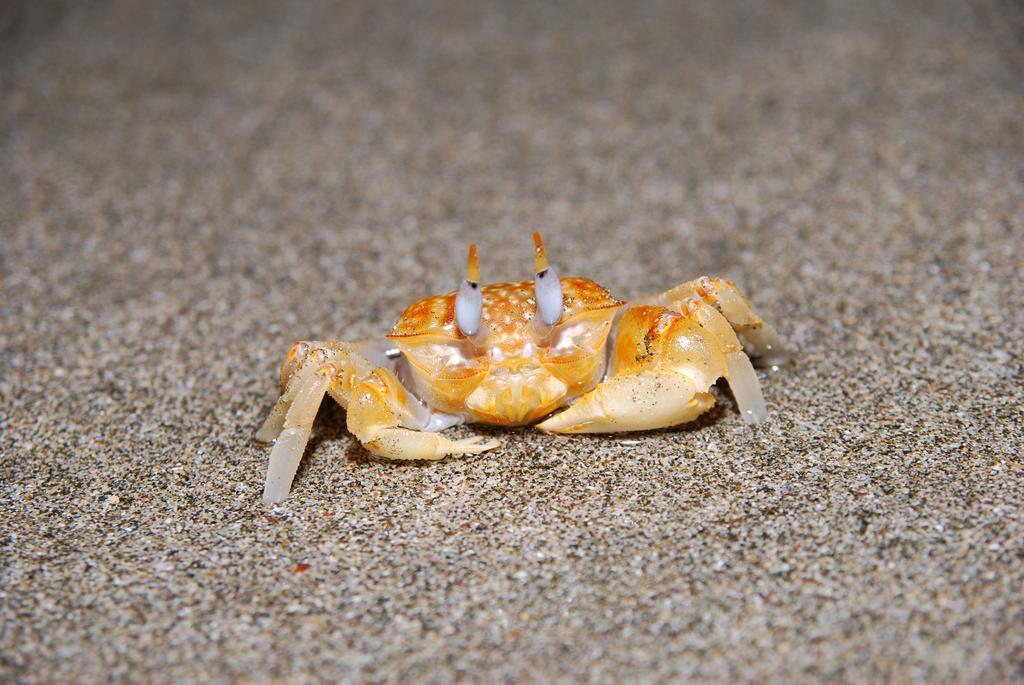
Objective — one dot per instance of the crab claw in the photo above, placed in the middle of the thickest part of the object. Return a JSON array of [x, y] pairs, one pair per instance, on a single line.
[[633, 402]]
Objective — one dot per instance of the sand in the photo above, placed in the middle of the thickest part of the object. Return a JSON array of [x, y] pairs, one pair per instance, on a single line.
[[185, 190]]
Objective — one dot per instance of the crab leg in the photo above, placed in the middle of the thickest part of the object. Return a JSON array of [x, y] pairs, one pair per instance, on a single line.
[[663, 364], [764, 342], [304, 358], [310, 370], [746, 389], [381, 413], [298, 422], [297, 368]]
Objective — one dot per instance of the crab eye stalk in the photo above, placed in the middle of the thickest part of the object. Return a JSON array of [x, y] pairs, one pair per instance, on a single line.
[[469, 303], [547, 288]]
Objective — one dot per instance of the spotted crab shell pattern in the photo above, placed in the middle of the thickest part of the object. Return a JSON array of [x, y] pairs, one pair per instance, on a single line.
[[507, 308]]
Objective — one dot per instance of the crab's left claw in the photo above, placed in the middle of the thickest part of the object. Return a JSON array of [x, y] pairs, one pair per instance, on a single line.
[[382, 415]]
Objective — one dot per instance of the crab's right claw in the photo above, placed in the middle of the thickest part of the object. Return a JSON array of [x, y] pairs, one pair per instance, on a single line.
[[639, 401]]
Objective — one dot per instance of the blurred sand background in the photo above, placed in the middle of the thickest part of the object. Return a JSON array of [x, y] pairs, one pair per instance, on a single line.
[[187, 188]]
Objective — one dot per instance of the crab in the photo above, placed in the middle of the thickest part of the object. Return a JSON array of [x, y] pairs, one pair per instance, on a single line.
[[561, 353]]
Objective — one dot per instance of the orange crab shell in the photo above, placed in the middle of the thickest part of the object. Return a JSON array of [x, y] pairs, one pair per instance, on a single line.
[[449, 366], [508, 307]]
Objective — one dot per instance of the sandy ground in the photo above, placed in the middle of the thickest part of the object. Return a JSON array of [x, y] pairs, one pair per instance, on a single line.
[[185, 190]]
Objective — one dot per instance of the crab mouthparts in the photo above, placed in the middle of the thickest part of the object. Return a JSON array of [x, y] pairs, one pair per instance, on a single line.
[[516, 398]]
